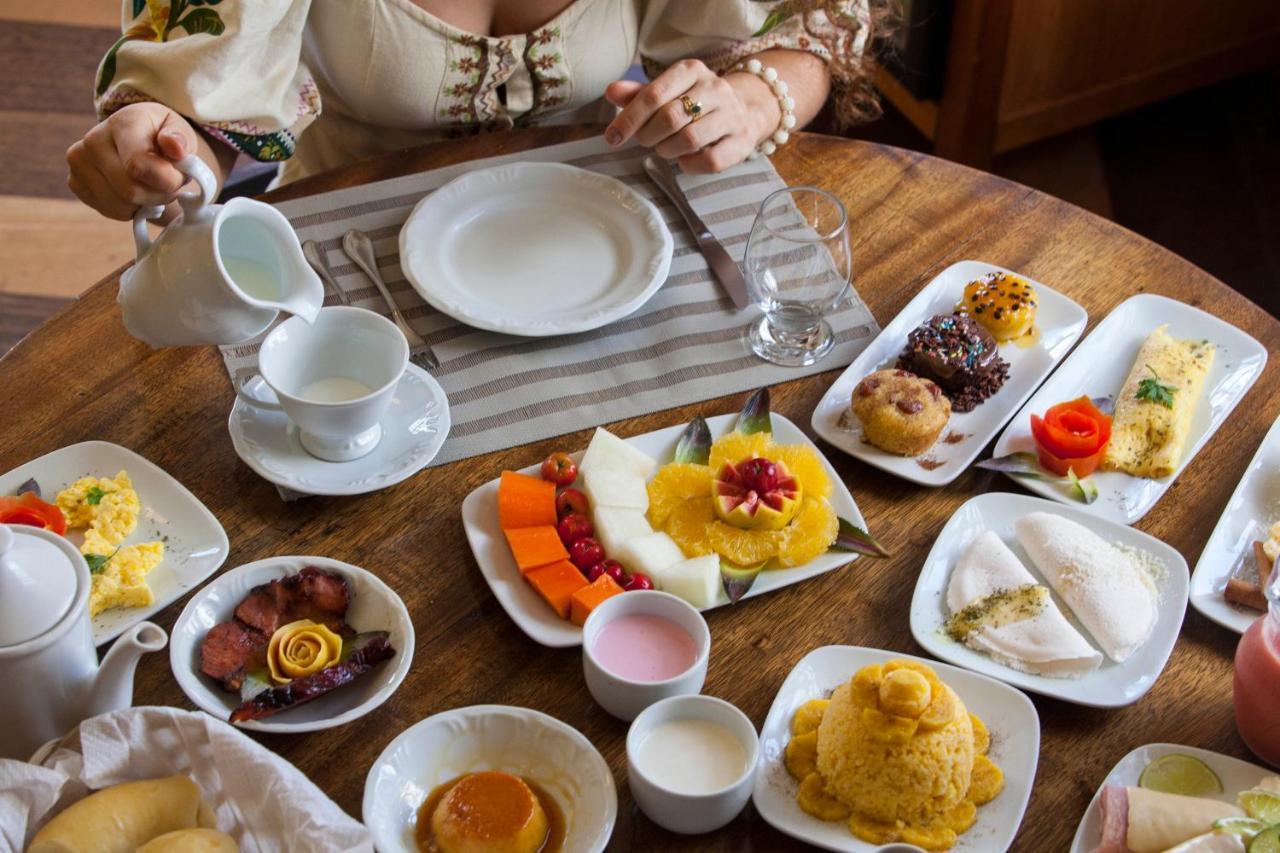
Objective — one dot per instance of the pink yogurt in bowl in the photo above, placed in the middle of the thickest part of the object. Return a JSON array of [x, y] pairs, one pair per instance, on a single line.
[[641, 647]]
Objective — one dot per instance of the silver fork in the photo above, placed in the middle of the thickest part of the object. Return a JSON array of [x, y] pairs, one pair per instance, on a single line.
[[359, 248]]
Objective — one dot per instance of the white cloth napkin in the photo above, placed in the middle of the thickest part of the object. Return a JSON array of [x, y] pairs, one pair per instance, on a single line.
[[260, 800]]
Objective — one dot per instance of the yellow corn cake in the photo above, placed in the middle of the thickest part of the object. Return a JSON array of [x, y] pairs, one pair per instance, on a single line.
[[1155, 407]]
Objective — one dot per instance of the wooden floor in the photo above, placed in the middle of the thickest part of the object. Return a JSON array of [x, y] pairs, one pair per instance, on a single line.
[[1199, 174]]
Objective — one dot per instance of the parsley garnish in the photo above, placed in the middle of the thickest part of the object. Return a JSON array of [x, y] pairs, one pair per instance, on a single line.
[[94, 496], [1154, 390], [97, 562]]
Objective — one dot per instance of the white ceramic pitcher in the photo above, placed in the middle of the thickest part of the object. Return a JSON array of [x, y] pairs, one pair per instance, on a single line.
[[47, 659], [219, 274]]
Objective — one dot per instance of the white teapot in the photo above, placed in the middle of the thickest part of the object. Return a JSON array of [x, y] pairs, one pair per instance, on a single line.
[[219, 274], [47, 657]]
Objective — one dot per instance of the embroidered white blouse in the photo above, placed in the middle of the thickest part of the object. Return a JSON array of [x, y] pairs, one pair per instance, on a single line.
[[369, 76]]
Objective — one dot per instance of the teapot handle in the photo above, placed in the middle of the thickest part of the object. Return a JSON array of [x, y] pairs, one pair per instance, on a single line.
[[193, 205]]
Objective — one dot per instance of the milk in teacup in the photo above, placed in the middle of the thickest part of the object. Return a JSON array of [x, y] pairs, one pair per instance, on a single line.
[[334, 389]]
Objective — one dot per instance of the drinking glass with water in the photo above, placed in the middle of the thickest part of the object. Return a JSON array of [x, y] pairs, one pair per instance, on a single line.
[[798, 269]]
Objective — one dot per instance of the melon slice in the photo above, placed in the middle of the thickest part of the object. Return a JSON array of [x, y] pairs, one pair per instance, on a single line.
[[697, 581], [652, 555], [607, 452], [610, 487], [615, 525]]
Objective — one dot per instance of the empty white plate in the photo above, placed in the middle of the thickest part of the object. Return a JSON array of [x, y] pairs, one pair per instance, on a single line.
[[1252, 510], [1111, 684], [374, 606], [551, 754], [1236, 776], [1008, 714], [1099, 367], [535, 249], [194, 542], [527, 609], [1060, 322]]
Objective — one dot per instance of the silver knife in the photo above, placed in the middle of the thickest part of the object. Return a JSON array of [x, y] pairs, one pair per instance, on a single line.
[[718, 259]]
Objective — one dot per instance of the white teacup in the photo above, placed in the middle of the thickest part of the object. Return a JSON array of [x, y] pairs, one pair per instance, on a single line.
[[334, 378]]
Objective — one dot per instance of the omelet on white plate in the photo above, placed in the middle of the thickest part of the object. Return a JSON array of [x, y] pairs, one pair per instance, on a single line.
[[1155, 407], [107, 509]]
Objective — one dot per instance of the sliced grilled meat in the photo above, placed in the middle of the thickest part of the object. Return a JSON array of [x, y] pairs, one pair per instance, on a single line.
[[230, 650]]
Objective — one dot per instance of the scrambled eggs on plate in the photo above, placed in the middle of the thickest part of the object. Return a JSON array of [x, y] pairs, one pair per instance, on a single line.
[[107, 510]]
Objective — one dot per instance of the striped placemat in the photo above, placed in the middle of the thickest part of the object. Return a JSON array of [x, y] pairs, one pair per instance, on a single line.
[[686, 344]]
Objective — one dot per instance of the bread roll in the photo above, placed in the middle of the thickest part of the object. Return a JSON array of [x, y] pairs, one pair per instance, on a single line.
[[191, 841], [120, 818]]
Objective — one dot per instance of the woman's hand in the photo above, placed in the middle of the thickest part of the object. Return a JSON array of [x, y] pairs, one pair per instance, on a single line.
[[737, 112], [126, 161]]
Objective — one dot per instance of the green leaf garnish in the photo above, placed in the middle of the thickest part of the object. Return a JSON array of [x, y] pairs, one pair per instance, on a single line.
[[94, 496], [738, 579], [97, 562], [694, 445], [754, 416], [1153, 390], [853, 538], [1028, 465], [255, 681], [1085, 489]]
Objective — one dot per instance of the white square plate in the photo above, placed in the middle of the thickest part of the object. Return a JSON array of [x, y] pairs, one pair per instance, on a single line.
[[1252, 509], [1236, 776], [1015, 747], [194, 542], [1060, 322], [1098, 369], [527, 609], [1112, 684]]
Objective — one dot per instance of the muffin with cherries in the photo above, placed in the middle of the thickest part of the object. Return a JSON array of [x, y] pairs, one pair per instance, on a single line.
[[900, 412]]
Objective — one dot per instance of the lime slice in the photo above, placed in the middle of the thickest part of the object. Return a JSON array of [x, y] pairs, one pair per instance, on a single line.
[[1242, 827], [1262, 804], [1267, 841], [1176, 773]]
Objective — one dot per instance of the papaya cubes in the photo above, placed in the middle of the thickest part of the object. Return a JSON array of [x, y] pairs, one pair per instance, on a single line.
[[525, 501], [557, 584], [535, 546], [590, 597]]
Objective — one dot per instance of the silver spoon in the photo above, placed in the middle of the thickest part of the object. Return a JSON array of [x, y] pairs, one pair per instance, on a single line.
[[315, 258], [359, 248]]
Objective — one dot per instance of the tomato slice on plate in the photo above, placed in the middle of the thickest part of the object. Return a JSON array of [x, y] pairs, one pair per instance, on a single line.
[[1071, 435], [28, 509]]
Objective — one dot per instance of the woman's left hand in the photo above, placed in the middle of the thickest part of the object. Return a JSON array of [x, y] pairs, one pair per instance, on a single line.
[[656, 115]]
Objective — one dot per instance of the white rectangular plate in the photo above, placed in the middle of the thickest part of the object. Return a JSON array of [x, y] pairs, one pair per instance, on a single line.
[[194, 542], [1236, 776], [1112, 684], [1060, 322], [527, 609], [1098, 369], [1015, 748], [1252, 509]]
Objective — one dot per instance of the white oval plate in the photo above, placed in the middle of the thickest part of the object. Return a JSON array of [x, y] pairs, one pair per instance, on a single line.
[[490, 737], [1236, 776], [195, 544], [1099, 367], [527, 609], [1112, 684], [535, 249], [1009, 714], [1253, 508], [1060, 321], [374, 607]]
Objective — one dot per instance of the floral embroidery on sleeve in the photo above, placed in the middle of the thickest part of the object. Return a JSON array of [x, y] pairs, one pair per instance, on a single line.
[[190, 16]]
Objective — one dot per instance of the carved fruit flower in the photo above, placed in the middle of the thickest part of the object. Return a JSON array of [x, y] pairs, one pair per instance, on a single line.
[[301, 648], [756, 494]]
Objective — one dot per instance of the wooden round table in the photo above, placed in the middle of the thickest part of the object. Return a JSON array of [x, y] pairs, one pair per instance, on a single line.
[[80, 376]]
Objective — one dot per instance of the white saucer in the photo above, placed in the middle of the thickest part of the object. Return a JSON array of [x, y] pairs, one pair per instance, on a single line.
[[413, 431]]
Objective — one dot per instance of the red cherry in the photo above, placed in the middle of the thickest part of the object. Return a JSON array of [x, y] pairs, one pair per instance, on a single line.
[[614, 569], [585, 553], [574, 527], [560, 469], [571, 501], [594, 573], [638, 581]]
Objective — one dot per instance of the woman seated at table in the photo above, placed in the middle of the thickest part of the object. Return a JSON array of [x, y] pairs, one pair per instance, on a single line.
[[362, 77]]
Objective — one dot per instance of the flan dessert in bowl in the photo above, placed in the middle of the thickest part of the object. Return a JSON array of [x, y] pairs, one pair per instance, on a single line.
[[895, 754], [489, 812]]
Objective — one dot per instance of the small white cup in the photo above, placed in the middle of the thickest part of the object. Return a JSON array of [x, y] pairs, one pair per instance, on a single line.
[[692, 814], [624, 697], [342, 343]]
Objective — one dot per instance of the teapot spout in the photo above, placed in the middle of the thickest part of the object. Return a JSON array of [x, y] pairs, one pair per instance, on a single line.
[[113, 687]]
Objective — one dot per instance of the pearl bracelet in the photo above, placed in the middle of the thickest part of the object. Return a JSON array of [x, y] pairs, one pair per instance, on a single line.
[[785, 102]]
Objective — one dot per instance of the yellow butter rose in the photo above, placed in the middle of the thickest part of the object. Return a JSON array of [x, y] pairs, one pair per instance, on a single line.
[[301, 648]]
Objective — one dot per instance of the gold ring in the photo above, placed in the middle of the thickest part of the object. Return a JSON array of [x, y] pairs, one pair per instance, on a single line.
[[692, 108]]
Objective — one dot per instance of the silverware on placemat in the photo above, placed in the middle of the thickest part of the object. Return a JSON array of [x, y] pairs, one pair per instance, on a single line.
[[726, 271], [359, 248], [315, 258]]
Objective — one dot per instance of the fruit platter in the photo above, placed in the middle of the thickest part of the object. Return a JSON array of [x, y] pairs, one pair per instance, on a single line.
[[716, 511]]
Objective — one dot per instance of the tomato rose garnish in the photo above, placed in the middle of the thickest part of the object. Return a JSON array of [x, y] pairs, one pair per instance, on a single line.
[[28, 509], [1071, 436]]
